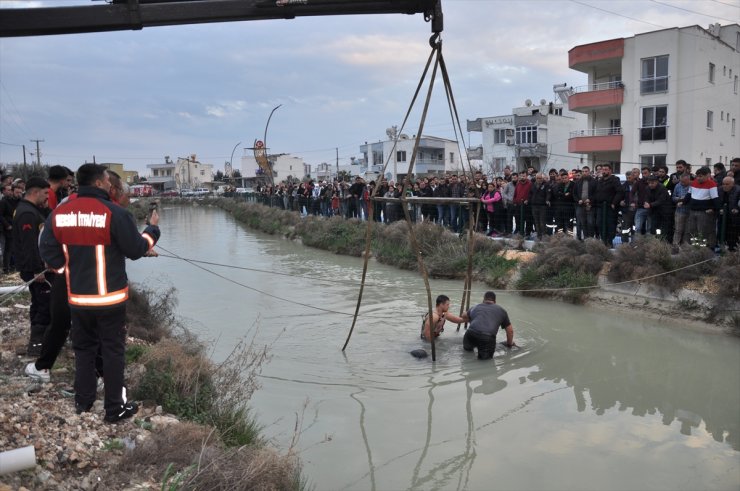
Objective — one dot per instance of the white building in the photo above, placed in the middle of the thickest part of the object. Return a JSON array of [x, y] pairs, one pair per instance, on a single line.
[[192, 174], [435, 156], [658, 97], [283, 167], [162, 176], [532, 135]]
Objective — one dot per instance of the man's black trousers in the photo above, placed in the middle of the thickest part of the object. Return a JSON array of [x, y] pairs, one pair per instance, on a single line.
[[485, 343], [106, 327]]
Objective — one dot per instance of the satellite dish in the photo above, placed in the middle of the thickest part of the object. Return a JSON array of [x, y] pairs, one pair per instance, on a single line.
[[388, 176], [528, 102], [543, 102]]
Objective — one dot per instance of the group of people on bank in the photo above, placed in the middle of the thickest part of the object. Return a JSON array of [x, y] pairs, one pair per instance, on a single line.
[[680, 207], [70, 248]]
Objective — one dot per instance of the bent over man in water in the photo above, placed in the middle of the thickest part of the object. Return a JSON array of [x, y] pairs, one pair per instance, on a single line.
[[485, 320], [439, 315]]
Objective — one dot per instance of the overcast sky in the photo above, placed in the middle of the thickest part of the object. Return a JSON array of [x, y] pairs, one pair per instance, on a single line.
[[135, 96]]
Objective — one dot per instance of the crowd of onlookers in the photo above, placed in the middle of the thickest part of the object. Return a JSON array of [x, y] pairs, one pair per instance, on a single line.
[[689, 206]]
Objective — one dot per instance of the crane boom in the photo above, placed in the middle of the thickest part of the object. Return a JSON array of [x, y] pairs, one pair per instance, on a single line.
[[122, 15]]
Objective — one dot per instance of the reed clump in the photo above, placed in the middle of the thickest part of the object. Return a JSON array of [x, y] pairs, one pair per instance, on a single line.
[[150, 315], [334, 234], [190, 456], [564, 268], [650, 258], [726, 305]]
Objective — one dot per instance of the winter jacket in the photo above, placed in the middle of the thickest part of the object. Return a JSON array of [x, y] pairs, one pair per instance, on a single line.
[[91, 237], [27, 224], [490, 198], [702, 196], [608, 190]]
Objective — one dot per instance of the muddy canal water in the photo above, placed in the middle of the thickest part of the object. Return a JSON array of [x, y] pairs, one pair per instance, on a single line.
[[592, 400]]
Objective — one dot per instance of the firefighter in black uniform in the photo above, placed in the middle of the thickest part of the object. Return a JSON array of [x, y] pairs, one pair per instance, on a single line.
[[91, 237], [28, 220]]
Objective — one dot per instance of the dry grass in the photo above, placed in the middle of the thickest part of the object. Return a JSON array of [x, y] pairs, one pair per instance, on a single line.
[[727, 297], [190, 456], [566, 264], [647, 257], [150, 315]]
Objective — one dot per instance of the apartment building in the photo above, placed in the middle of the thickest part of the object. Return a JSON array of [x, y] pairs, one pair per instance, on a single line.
[[533, 135], [658, 97], [435, 156]]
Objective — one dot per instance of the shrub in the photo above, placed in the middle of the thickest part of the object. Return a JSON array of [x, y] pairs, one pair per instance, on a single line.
[[726, 301], [564, 263], [181, 378], [334, 234], [150, 314], [649, 258]]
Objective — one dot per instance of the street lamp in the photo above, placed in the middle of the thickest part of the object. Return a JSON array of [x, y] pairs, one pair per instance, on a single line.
[[231, 159], [264, 139]]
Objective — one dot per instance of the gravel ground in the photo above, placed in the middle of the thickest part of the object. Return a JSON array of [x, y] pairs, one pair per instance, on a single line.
[[72, 451]]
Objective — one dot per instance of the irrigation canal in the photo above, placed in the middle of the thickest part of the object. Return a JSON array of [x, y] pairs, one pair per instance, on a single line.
[[592, 400]]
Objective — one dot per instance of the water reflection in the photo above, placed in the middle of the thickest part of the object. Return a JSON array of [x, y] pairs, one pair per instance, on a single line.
[[656, 399]]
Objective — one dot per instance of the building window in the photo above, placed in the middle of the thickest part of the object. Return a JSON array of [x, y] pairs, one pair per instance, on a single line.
[[526, 134], [652, 160], [653, 123], [499, 136], [452, 157], [711, 73], [498, 164], [202, 172], [733, 127], [401, 156], [710, 120], [558, 111], [654, 75]]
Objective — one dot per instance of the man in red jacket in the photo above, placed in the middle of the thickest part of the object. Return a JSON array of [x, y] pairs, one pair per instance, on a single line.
[[91, 237], [522, 210]]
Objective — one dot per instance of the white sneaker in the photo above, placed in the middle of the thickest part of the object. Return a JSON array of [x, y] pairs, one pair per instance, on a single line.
[[40, 375]]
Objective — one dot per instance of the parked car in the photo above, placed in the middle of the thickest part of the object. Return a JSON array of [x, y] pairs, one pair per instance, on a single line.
[[244, 190], [170, 193]]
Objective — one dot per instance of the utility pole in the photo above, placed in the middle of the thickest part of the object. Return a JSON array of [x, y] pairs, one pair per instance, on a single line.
[[337, 149], [24, 155], [38, 152]]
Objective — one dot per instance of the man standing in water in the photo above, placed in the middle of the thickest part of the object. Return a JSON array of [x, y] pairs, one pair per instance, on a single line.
[[439, 315], [485, 320]]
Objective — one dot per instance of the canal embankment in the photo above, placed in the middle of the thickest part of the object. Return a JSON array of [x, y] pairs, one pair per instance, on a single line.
[[194, 428], [693, 287]]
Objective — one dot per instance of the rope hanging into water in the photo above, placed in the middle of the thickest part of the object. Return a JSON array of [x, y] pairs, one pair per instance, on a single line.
[[436, 47]]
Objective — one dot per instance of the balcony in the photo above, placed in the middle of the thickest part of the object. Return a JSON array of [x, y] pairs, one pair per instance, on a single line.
[[597, 96], [531, 150], [587, 56], [426, 166], [596, 140]]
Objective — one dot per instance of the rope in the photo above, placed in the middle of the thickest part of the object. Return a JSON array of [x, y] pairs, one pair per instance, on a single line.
[[436, 47], [18, 290], [254, 289], [335, 281]]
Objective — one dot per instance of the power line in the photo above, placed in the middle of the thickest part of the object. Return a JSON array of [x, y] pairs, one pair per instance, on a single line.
[[728, 4], [13, 106], [692, 11], [618, 14]]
